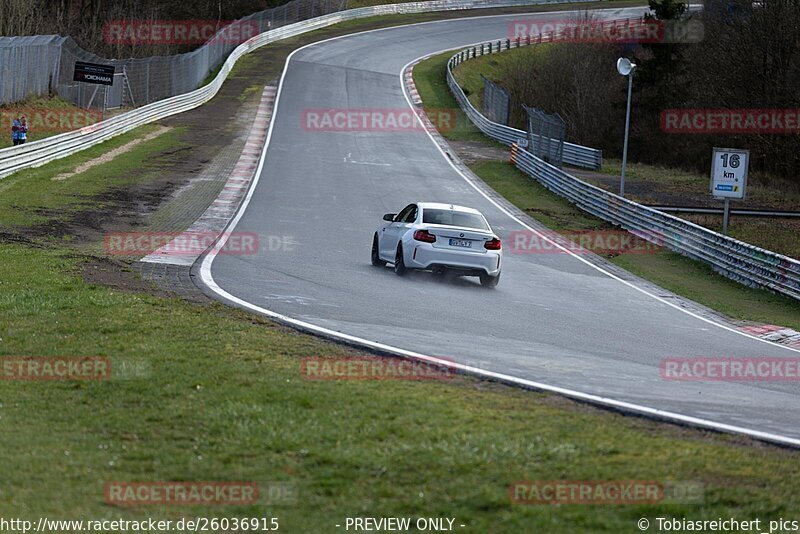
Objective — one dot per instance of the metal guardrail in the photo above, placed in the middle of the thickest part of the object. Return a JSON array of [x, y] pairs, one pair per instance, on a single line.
[[577, 155], [746, 212], [739, 261], [36, 153], [745, 263]]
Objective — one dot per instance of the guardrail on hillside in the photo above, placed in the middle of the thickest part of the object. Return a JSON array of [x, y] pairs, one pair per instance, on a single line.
[[745, 263], [580, 156], [740, 261], [37, 153]]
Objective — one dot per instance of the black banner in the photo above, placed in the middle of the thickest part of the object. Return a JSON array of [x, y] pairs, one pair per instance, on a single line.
[[94, 73]]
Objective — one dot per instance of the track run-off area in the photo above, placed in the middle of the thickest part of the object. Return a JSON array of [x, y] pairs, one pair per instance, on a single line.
[[555, 322]]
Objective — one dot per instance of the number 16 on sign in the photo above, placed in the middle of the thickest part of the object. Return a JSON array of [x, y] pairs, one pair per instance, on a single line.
[[729, 177]]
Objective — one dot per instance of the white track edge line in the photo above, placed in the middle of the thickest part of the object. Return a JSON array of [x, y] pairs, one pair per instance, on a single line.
[[208, 280], [576, 256]]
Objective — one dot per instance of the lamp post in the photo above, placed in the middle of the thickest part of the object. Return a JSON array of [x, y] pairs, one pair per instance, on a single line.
[[626, 68]]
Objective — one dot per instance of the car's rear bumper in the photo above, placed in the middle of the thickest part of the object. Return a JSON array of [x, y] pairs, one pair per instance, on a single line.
[[425, 256]]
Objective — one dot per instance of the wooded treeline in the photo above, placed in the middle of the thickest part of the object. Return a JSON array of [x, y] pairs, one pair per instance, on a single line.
[[748, 58], [84, 20]]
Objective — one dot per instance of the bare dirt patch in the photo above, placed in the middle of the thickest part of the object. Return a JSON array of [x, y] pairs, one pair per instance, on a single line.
[[205, 133], [475, 151], [118, 275], [111, 154]]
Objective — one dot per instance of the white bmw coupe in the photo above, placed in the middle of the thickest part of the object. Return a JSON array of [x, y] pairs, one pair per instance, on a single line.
[[439, 238]]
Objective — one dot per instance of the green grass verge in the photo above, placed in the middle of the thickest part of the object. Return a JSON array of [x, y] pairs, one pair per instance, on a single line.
[[492, 66], [685, 277], [670, 270], [32, 197], [430, 79], [395, 20], [217, 395]]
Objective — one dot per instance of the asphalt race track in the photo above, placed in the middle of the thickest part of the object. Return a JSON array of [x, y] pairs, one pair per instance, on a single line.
[[553, 319]]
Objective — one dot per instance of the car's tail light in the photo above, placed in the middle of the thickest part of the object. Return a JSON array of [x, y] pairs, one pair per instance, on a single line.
[[424, 235], [493, 244]]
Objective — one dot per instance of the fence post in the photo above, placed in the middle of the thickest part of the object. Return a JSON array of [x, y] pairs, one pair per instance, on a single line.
[[147, 82]]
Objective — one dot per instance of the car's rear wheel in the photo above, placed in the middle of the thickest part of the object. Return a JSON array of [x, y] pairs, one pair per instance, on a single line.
[[399, 262], [376, 258], [489, 281]]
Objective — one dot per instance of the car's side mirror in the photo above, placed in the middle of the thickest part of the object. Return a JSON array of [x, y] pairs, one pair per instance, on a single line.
[[389, 217]]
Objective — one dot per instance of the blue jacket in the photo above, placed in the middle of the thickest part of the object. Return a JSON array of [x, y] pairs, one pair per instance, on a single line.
[[16, 126]]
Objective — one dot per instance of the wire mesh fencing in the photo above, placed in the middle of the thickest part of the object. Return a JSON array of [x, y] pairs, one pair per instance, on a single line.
[[44, 64], [28, 65], [546, 134], [496, 102]]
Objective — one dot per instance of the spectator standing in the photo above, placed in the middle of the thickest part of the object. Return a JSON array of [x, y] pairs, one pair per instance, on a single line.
[[23, 130], [15, 126]]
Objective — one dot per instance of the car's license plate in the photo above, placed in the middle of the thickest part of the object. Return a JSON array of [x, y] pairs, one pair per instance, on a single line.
[[460, 243]]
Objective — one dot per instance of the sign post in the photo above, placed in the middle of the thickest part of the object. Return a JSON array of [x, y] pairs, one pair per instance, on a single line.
[[729, 177], [726, 214]]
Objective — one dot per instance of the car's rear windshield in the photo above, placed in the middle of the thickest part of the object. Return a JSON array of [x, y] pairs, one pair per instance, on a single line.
[[454, 218]]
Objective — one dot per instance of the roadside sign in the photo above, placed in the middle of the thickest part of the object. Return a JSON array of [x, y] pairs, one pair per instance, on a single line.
[[94, 73], [729, 172]]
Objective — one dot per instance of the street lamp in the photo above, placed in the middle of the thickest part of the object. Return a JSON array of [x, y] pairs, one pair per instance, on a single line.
[[626, 68]]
